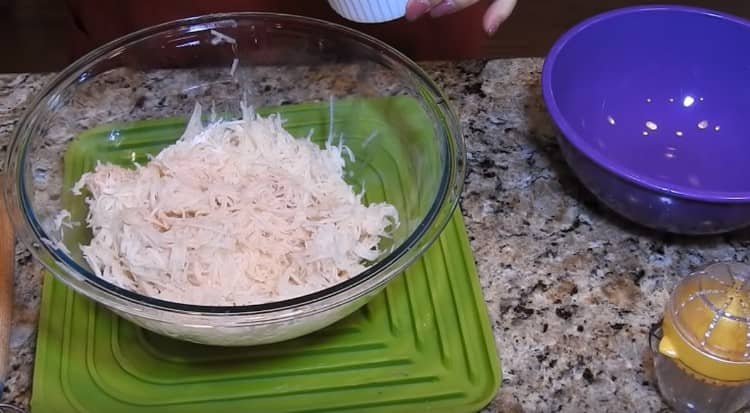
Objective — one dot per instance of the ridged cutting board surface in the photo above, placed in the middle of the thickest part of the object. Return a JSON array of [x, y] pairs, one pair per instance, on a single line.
[[424, 344]]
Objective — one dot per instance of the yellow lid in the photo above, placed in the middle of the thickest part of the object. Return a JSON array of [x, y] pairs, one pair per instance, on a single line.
[[707, 322]]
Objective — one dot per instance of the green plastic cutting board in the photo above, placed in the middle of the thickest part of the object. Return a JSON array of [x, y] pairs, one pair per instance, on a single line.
[[423, 345]]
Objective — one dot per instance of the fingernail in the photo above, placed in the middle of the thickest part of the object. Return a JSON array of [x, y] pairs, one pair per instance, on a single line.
[[416, 9], [492, 28], [446, 7]]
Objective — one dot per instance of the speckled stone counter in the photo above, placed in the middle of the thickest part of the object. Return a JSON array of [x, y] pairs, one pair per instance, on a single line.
[[571, 289]]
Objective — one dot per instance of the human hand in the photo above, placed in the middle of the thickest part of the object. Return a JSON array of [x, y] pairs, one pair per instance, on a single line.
[[498, 11]]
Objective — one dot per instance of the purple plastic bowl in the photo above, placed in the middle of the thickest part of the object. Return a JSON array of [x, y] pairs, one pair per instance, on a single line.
[[654, 106]]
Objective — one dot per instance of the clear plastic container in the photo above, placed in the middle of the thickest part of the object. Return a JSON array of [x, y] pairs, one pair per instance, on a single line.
[[686, 391], [702, 363]]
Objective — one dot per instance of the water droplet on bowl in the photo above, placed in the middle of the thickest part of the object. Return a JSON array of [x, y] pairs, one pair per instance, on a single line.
[[688, 101], [703, 124], [717, 127], [671, 100], [678, 133], [40, 174], [665, 200], [648, 100], [651, 125], [611, 120], [645, 133], [700, 99], [114, 135]]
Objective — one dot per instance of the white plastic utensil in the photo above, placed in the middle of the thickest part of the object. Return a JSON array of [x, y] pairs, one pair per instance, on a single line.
[[369, 11]]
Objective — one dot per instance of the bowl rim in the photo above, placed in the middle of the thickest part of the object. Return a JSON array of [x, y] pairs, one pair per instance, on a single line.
[[392, 264], [575, 139]]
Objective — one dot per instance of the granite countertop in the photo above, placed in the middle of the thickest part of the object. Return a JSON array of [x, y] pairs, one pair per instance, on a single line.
[[572, 290]]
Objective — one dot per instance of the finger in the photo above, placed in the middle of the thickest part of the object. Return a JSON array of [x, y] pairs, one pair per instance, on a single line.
[[450, 6], [417, 8], [496, 14]]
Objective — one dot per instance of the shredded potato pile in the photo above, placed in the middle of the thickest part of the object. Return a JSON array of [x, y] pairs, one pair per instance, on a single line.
[[234, 213]]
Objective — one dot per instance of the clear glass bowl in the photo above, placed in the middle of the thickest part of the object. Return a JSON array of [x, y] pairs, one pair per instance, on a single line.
[[281, 60]]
